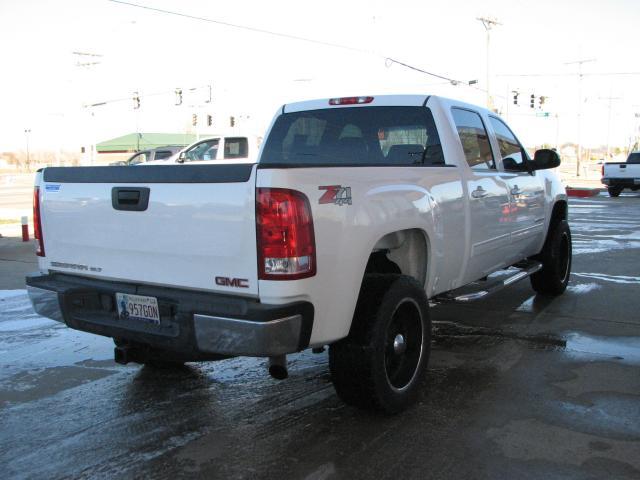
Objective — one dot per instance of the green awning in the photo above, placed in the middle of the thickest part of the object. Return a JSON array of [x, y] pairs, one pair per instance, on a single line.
[[142, 141]]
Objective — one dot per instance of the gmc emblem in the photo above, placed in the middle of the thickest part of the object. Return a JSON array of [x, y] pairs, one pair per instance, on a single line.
[[232, 282]]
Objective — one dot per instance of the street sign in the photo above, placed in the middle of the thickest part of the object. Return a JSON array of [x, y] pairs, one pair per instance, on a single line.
[[542, 114]]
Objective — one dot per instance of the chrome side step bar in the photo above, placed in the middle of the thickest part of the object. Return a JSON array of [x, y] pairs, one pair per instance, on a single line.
[[484, 288]]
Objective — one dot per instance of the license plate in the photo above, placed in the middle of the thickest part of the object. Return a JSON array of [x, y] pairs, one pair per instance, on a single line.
[[138, 307]]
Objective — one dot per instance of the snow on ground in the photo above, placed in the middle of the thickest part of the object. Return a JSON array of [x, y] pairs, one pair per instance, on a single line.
[[16, 312]]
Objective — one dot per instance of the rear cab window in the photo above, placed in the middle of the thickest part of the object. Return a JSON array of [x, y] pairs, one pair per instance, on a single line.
[[634, 157], [352, 136], [474, 138]]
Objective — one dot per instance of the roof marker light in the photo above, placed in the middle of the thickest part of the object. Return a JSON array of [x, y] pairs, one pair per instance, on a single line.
[[350, 100]]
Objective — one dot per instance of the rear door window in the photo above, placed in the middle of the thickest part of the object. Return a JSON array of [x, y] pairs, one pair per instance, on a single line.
[[355, 136], [474, 138], [236, 147]]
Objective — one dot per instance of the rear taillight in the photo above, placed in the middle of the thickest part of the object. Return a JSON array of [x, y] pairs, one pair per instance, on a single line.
[[284, 229], [37, 226]]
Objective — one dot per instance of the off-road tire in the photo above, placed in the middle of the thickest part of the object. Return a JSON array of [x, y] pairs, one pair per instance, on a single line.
[[556, 261], [381, 364], [614, 191]]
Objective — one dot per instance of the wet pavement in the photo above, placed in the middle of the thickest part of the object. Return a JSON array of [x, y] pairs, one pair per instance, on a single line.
[[519, 386]]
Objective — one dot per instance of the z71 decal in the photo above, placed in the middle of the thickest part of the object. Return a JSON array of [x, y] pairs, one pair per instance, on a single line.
[[336, 194]]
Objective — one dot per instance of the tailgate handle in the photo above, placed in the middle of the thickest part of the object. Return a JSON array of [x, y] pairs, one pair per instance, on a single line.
[[135, 199]]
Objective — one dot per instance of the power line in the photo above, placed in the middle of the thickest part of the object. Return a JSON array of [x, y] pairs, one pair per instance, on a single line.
[[594, 74], [388, 60], [243, 27]]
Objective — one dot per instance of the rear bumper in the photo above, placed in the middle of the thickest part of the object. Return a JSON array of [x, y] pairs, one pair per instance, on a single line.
[[197, 325], [621, 182]]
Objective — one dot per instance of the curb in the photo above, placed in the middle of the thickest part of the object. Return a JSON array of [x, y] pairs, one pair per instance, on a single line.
[[583, 192]]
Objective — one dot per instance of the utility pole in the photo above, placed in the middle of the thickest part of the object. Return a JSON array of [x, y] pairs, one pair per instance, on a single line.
[[579, 63], [610, 100], [488, 24], [87, 61]]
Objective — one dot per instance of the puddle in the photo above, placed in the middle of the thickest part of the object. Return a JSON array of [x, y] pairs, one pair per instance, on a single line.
[[445, 332], [624, 349]]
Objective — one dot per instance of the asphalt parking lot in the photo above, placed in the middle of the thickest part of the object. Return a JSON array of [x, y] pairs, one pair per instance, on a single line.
[[519, 386]]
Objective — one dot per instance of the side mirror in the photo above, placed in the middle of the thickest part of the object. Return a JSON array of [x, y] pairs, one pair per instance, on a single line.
[[181, 157], [544, 159]]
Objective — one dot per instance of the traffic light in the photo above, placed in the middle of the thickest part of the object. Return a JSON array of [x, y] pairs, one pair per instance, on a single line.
[[194, 119], [178, 96], [232, 121], [541, 100], [209, 120], [136, 100], [515, 97], [533, 101]]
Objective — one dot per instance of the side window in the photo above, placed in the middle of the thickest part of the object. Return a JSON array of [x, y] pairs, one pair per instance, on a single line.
[[474, 138], [163, 154], [206, 150], [139, 158], [236, 147], [512, 153]]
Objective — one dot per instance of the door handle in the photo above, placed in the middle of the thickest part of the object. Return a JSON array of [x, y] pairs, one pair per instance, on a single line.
[[479, 193]]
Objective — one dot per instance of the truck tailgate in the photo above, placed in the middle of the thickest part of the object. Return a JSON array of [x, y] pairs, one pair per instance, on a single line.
[[197, 230], [621, 170]]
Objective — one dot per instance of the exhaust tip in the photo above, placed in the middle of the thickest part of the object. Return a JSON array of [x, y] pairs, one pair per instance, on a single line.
[[279, 372], [277, 367]]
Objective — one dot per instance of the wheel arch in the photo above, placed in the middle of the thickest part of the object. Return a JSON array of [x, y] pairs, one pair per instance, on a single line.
[[408, 250], [560, 211]]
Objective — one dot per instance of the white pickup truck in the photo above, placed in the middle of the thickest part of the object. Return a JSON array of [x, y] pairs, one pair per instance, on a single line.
[[620, 175], [359, 211]]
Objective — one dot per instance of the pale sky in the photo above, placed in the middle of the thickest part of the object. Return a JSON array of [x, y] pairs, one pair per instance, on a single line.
[[252, 74]]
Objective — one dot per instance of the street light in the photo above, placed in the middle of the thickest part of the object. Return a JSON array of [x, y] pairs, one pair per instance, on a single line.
[[488, 24], [580, 75]]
